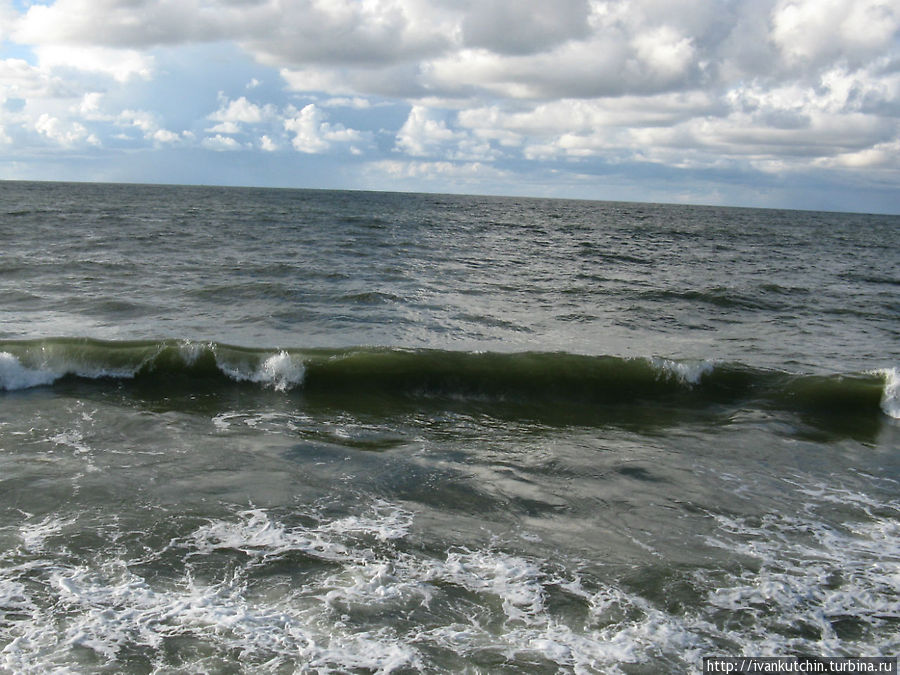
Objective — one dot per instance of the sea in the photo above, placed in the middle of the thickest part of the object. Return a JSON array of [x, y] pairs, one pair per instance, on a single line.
[[294, 431]]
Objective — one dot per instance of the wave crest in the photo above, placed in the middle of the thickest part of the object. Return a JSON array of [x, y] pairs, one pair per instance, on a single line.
[[890, 399], [551, 383]]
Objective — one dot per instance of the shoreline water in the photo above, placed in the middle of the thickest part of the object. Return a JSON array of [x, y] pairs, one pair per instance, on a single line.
[[409, 433]]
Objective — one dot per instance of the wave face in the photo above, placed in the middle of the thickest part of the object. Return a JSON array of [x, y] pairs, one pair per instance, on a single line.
[[524, 379]]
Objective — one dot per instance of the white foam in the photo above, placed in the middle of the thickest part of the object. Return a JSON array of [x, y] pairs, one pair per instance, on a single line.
[[13, 375], [222, 421], [811, 573], [34, 536], [385, 523], [191, 351], [686, 372], [890, 398], [515, 581], [73, 439], [378, 651], [280, 371], [374, 586], [258, 535], [386, 606]]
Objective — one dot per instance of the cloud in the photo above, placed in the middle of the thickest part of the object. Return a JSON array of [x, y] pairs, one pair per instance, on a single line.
[[120, 64], [267, 144], [145, 121], [66, 134], [20, 79], [313, 135], [8, 18], [221, 143], [879, 156], [344, 102], [813, 32], [128, 23], [240, 110], [467, 172], [524, 27], [347, 32], [435, 88], [422, 133], [231, 115]]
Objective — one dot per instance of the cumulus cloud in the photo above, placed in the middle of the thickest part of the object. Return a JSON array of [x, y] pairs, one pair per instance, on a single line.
[[64, 133], [240, 110], [267, 144], [20, 79], [231, 115], [422, 133], [811, 32], [313, 135], [526, 26], [120, 64], [437, 86], [221, 143], [129, 23], [145, 121]]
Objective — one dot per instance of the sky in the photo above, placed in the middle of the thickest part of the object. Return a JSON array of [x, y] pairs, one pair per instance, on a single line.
[[771, 103]]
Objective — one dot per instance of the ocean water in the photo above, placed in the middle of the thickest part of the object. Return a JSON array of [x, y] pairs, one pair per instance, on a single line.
[[288, 431]]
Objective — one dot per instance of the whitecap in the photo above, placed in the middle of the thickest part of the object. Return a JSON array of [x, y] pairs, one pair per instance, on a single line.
[[256, 534], [280, 371], [686, 372], [890, 398], [13, 375]]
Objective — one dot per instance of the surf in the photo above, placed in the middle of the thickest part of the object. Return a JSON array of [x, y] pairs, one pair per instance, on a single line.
[[526, 378]]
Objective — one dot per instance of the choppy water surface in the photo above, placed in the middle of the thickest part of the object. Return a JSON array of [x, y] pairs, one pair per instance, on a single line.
[[280, 431]]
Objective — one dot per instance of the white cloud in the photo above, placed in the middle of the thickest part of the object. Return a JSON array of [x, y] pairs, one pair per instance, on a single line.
[[120, 64], [422, 133], [149, 126], [306, 126], [666, 52], [313, 135], [812, 31], [344, 102], [769, 85], [221, 143], [19, 79], [879, 156], [470, 172], [8, 18], [66, 134], [89, 107], [240, 110], [225, 128], [267, 144], [121, 23], [165, 136]]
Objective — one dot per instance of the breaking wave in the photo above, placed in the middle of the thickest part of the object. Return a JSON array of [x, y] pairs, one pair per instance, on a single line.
[[524, 378]]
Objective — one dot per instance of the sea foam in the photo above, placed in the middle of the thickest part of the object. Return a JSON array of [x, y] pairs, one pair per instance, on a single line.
[[686, 372], [13, 375], [280, 371], [890, 399]]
